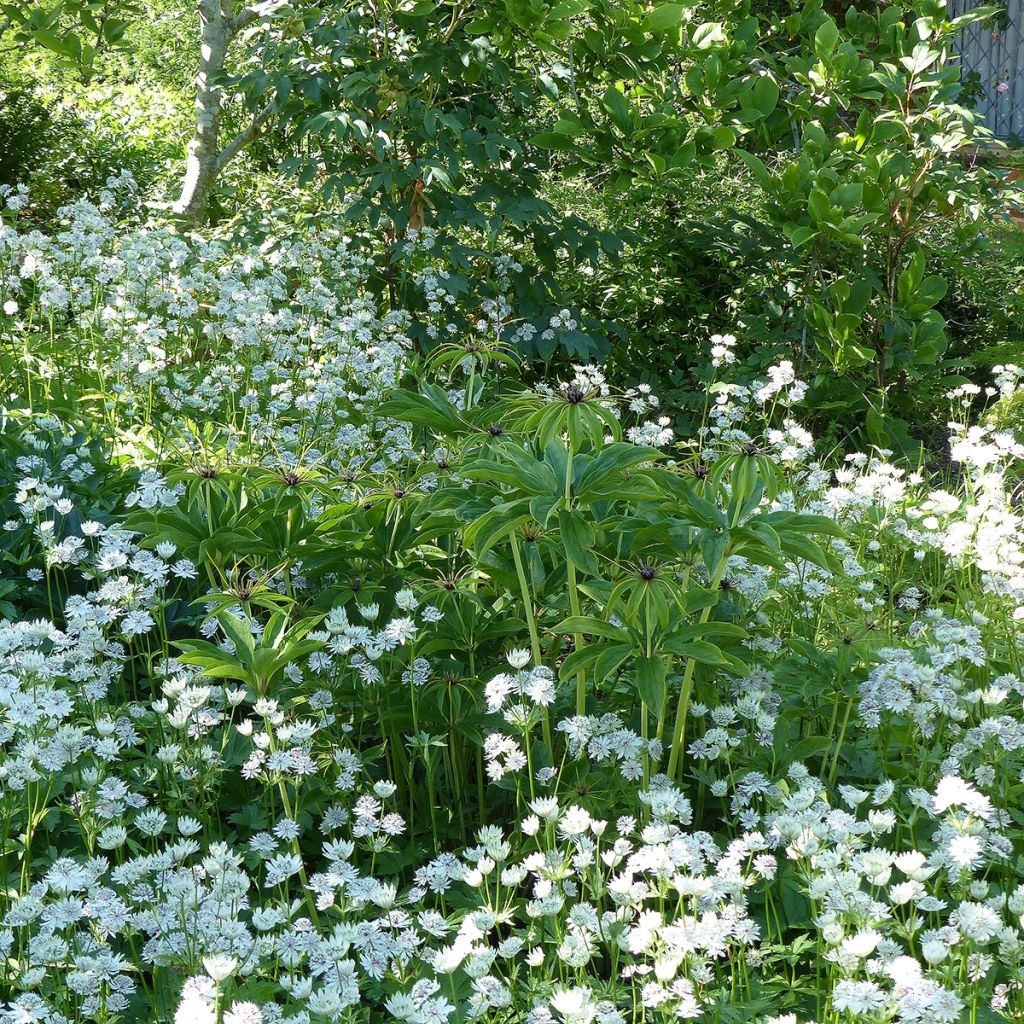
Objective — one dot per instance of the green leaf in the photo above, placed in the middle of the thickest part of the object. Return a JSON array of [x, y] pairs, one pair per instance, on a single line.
[[430, 408], [795, 546], [756, 164], [650, 683], [53, 42], [665, 17], [699, 598], [483, 533], [848, 195], [725, 630], [202, 648], [766, 95], [569, 9], [800, 236], [543, 505], [809, 746], [569, 125], [826, 39], [224, 671], [592, 627], [705, 36], [614, 104], [582, 659], [801, 521], [911, 279], [578, 541], [274, 632], [239, 634], [921, 59], [610, 658], [929, 292], [113, 30], [707, 654], [697, 507], [712, 548], [724, 137], [818, 206], [609, 465], [554, 140]]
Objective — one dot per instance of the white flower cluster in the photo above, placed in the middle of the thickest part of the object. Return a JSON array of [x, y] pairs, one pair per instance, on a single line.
[[278, 747]]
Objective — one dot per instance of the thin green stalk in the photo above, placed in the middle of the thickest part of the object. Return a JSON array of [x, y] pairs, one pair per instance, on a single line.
[[531, 624], [839, 743], [574, 597], [679, 730], [574, 607]]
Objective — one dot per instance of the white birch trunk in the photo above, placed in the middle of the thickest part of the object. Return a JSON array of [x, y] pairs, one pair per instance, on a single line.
[[206, 158]]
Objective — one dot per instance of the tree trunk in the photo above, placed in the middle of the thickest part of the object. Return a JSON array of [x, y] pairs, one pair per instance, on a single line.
[[206, 158]]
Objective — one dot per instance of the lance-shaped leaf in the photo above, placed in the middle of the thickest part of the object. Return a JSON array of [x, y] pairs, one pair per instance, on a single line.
[[430, 408], [483, 533], [606, 468], [592, 627], [650, 682], [239, 634], [578, 541], [706, 654]]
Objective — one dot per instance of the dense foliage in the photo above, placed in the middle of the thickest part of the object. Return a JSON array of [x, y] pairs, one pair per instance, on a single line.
[[511, 513]]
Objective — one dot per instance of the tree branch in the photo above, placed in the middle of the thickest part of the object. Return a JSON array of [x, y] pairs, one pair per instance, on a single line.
[[245, 136], [243, 19]]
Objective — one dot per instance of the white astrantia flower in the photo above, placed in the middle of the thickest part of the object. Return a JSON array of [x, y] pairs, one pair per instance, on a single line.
[[220, 968], [954, 792]]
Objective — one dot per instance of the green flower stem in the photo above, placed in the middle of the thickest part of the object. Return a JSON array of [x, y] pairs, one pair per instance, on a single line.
[[531, 623], [574, 606], [679, 729], [574, 597]]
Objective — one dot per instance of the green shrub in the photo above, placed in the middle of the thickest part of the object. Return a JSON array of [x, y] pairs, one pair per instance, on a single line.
[[66, 139], [25, 126], [1008, 414], [985, 304]]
